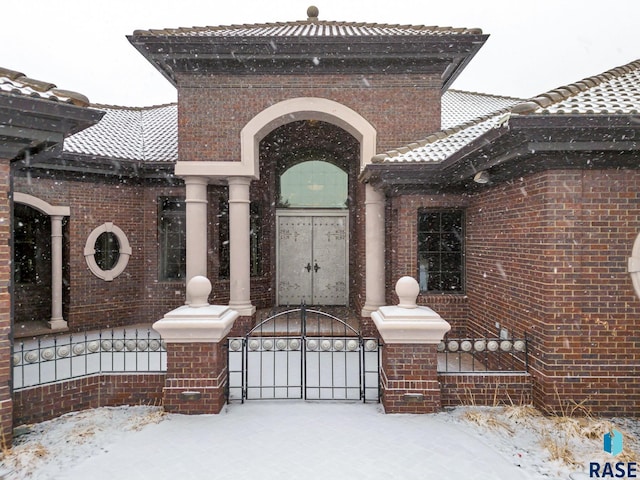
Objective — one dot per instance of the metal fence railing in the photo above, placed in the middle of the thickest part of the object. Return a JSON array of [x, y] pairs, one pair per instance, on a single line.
[[45, 360], [483, 355]]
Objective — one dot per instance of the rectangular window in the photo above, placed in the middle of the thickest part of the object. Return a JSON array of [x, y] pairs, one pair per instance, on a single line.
[[172, 238], [441, 251], [255, 245]]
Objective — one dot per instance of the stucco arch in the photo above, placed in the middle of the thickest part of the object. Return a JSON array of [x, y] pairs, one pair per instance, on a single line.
[[41, 205], [306, 108]]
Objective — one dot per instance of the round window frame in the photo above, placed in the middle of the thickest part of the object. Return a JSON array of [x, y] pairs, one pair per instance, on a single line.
[[634, 265], [123, 257]]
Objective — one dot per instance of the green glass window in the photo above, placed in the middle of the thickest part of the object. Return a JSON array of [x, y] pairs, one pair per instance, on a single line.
[[314, 184], [441, 251]]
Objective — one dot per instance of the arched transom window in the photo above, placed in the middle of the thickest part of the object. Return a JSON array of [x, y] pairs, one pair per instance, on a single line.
[[314, 184]]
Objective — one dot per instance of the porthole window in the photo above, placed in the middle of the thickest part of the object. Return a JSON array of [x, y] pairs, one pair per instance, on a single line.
[[107, 251]]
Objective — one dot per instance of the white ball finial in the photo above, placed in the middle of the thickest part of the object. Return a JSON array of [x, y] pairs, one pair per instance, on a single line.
[[407, 289], [198, 290]]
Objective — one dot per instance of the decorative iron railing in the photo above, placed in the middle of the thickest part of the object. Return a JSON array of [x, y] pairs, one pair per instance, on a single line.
[[45, 360], [483, 355]]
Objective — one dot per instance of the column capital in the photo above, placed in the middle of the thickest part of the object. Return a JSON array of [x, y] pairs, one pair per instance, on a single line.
[[195, 180], [239, 181]]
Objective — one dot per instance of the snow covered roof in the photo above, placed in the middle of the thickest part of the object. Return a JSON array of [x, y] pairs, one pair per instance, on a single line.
[[16, 83], [148, 134], [615, 92], [312, 27]]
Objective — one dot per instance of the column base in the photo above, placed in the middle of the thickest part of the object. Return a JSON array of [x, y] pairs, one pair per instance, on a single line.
[[57, 324], [245, 310]]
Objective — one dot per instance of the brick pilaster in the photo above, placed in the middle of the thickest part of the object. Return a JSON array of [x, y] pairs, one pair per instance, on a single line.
[[409, 378], [197, 377]]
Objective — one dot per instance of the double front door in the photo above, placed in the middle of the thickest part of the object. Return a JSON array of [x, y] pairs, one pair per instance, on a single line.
[[312, 258]]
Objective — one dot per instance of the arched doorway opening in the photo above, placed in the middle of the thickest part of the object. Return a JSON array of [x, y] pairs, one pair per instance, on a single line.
[[309, 169]]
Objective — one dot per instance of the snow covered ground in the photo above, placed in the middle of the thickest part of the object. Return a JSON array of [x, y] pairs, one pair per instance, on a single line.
[[294, 440]]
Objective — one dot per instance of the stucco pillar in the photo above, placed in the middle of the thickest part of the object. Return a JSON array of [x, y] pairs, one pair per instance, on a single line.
[[196, 218], [239, 246], [56, 322], [374, 251]]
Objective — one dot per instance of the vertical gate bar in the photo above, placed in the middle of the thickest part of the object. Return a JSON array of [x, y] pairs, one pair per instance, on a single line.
[[245, 368]]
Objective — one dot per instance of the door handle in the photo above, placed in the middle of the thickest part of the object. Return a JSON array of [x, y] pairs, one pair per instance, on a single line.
[[308, 267], [316, 267]]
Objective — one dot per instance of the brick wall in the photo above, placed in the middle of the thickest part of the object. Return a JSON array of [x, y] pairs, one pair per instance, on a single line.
[[402, 255], [547, 255], [45, 402], [5, 306], [213, 110], [196, 367], [485, 389]]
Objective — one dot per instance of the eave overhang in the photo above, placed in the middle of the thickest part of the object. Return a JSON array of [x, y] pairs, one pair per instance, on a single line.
[[445, 55], [526, 144], [39, 125]]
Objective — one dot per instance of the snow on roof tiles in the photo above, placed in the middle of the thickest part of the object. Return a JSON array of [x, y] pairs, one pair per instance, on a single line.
[[147, 134], [16, 83], [616, 91], [309, 28]]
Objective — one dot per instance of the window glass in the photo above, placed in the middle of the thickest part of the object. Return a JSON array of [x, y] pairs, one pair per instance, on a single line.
[[313, 184], [441, 251], [107, 250], [172, 238], [32, 245]]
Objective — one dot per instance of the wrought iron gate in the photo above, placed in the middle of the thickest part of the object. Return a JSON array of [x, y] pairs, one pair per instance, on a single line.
[[303, 354]]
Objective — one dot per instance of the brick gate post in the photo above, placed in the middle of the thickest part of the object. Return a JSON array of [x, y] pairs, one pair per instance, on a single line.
[[197, 370], [410, 335]]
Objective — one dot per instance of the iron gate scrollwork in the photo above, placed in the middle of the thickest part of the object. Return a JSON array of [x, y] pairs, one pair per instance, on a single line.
[[306, 354]]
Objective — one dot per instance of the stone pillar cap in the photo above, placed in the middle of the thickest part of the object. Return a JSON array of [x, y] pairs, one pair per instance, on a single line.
[[407, 322], [197, 321]]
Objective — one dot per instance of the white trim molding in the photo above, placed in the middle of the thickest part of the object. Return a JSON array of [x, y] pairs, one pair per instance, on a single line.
[[123, 257]]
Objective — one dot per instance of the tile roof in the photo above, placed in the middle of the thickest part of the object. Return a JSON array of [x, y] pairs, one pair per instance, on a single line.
[[460, 107], [16, 83], [309, 28], [148, 134], [616, 91], [465, 116]]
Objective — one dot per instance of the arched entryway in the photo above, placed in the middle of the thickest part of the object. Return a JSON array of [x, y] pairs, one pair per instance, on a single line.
[[247, 183], [309, 175]]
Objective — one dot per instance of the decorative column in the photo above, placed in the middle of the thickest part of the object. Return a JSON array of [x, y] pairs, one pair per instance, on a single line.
[[197, 369], [374, 251], [196, 219], [57, 321], [239, 246], [409, 369]]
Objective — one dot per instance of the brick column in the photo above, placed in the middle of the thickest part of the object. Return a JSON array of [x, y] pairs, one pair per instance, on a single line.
[[197, 370], [409, 369]]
